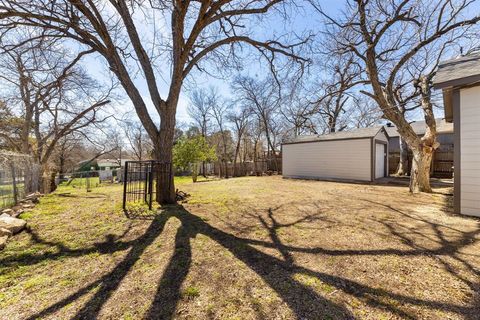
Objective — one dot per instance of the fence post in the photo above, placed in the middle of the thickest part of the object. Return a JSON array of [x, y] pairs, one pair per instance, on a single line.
[[14, 184], [153, 168], [432, 163], [125, 185]]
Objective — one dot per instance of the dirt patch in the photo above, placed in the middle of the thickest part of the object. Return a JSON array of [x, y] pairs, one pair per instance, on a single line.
[[247, 248]]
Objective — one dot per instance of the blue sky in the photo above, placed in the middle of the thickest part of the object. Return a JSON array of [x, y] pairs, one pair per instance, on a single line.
[[303, 19]]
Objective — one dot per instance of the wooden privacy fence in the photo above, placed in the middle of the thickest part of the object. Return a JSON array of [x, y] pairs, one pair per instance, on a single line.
[[19, 176], [248, 168], [442, 163]]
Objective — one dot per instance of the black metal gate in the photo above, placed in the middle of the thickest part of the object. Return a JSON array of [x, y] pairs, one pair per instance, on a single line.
[[139, 181]]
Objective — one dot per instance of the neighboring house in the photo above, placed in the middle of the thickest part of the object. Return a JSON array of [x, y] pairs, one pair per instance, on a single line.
[[442, 165], [101, 164], [459, 80], [86, 165], [361, 154], [444, 134], [109, 164]]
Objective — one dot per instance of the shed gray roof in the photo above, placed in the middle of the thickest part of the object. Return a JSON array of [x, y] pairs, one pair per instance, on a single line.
[[458, 71], [342, 135], [419, 127]]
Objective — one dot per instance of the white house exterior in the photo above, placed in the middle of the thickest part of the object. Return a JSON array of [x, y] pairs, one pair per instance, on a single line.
[[360, 155], [460, 81]]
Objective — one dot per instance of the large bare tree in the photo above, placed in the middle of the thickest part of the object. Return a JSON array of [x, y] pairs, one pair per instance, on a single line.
[[218, 110], [239, 118], [342, 74], [199, 111], [140, 144], [264, 99], [10, 127], [51, 94], [295, 106], [184, 33], [399, 43]]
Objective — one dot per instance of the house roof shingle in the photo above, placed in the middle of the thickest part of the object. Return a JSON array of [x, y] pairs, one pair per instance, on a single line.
[[419, 127], [458, 71], [342, 135]]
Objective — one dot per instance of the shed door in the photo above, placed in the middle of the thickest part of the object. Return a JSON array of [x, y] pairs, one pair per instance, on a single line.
[[379, 160]]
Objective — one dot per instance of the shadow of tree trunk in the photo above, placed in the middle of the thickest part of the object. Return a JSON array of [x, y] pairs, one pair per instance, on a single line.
[[110, 282], [278, 274], [168, 292], [304, 301]]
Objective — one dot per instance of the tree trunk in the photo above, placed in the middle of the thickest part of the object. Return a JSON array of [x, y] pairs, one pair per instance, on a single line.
[[275, 160], [61, 167], [220, 169], [163, 146], [332, 124], [244, 158], [194, 172], [225, 163], [47, 179], [420, 173], [423, 154], [204, 134], [402, 168], [204, 169], [270, 152], [237, 151], [255, 157], [29, 180]]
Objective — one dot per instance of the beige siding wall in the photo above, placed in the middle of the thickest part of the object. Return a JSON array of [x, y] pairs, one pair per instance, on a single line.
[[470, 151], [381, 136], [341, 159]]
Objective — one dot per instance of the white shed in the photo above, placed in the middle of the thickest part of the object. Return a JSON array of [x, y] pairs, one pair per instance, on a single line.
[[460, 81], [360, 155]]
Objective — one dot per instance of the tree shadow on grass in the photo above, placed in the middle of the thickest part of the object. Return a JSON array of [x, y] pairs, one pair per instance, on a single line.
[[279, 274], [111, 244], [106, 285], [85, 196], [447, 251]]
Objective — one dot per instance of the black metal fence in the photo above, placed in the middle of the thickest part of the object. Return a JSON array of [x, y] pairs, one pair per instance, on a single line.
[[19, 176], [140, 183]]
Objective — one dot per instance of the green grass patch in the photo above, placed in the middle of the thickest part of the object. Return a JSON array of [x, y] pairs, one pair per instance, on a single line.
[[191, 292]]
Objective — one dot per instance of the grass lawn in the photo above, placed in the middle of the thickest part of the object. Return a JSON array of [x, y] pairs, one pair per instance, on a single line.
[[245, 248]]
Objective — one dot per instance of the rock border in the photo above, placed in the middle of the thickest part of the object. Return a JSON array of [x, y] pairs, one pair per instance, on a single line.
[[10, 224]]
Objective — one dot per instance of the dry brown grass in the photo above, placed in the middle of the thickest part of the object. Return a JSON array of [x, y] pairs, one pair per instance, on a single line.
[[246, 248]]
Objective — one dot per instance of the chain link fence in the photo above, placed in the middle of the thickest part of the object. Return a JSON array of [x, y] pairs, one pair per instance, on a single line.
[[19, 177], [89, 179]]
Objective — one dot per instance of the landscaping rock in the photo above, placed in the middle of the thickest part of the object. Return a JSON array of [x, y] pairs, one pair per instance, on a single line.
[[8, 211], [28, 205], [33, 197], [15, 225], [3, 242], [4, 215], [17, 213], [180, 195], [5, 232]]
